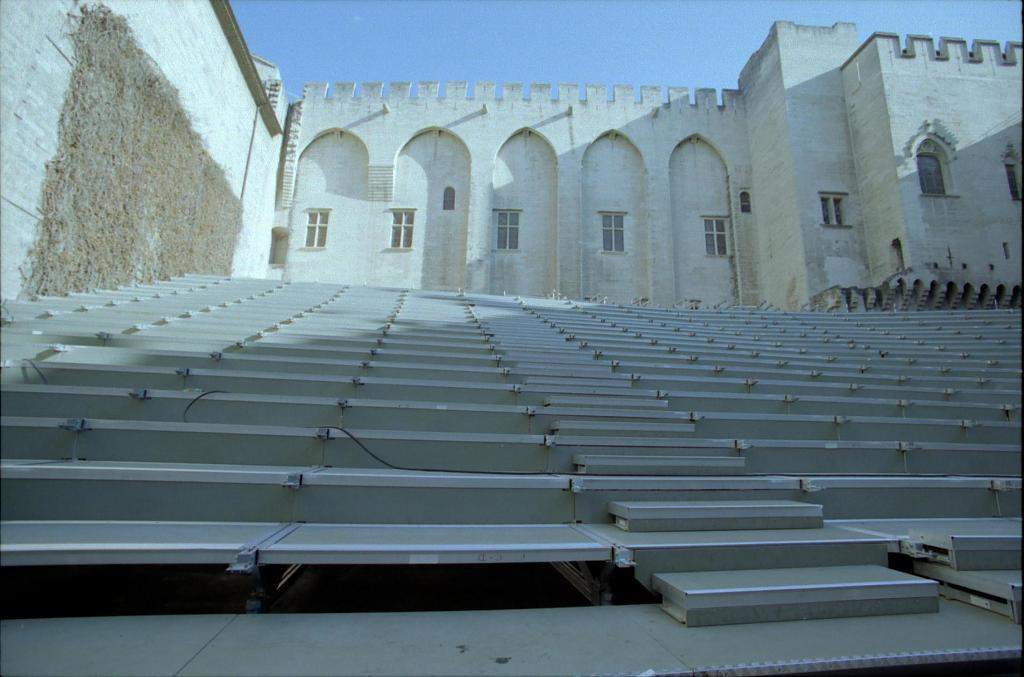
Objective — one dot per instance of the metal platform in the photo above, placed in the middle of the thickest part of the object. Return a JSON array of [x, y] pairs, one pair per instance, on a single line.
[[249, 423]]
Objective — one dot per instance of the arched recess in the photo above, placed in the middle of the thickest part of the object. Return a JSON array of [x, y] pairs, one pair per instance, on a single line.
[[331, 177], [701, 223], [278, 246], [524, 188], [614, 185], [431, 162]]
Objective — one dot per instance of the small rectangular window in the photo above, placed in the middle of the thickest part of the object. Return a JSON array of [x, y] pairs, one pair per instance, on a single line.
[[1006, 250], [401, 229], [613, 236], [316, 228], [1011, 178], [832, 212], [714, 237], [508, 229]]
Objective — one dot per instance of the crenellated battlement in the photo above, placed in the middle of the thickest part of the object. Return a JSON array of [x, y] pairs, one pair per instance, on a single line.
[[538, 93], [954, 50]]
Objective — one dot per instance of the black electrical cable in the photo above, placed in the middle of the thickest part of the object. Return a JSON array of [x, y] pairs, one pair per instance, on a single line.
[[196, 399], [38, 370], [438, 470]]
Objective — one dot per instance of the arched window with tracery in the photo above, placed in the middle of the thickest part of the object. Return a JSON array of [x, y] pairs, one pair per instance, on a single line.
[[931, 168], [448, 204]]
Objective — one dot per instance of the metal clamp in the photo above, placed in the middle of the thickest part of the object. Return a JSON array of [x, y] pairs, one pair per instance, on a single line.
[[141, 394], [75, 425], [245, 561]]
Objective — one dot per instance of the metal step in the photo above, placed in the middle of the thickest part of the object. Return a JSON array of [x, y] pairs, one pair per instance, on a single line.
[[997, 590], [31, 543], [704, 598], [596, 464], [966, 552], [714, 515]]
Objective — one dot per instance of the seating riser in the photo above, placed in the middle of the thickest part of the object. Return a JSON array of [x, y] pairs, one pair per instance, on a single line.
[[195, 501], [782, 555]]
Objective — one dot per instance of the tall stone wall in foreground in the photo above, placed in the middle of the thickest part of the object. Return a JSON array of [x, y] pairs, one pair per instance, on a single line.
[[132, 194], [137, 143]]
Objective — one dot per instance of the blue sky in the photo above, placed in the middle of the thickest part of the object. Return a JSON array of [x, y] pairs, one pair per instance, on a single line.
[[686, 43]]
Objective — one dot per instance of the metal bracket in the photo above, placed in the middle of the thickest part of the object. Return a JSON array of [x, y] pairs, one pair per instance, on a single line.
[[245, 561], [216, 356], [183, 372], [623, 557], [293, 481], [75, 425], [808, 486], [323, 433], [141, 394]]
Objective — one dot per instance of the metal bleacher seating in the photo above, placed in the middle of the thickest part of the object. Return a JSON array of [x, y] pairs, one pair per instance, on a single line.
[[748, 465]]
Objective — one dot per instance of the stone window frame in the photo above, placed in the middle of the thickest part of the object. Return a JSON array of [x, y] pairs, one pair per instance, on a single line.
[[403, 220], [613, 232], [716, 235], [932, 147], [833, 209], [509, 230], [317, 221]]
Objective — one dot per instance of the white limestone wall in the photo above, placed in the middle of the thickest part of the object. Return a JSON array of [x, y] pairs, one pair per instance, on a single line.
[[700, 189], [614, 180], [822, 156], [428, 165], [526, 177], [186, 42], [781, 260], [333, 171], [570, 124], [968, 100]]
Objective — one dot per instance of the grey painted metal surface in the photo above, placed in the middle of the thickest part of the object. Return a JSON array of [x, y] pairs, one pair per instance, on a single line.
[[772, 595], [444, 427]]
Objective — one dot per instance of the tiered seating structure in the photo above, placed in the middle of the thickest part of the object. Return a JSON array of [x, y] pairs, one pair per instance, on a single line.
[[748, 465]]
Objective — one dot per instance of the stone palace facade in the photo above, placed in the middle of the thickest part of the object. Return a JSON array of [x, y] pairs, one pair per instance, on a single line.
[[835, 164]]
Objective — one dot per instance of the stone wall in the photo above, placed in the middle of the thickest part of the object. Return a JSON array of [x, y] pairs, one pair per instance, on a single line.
[[581, 157], [147, 141], [966, 100]]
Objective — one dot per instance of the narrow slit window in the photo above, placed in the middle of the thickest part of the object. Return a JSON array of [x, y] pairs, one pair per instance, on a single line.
[[448, 203], [508, 229], [316, 228], [1011, 178], [826, 216], [837, 210], [612, 233], [745, 202], [714, 237], [401, 229]]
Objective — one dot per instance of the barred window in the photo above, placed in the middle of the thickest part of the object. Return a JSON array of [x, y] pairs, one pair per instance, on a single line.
[[612, 231], [832, 210]]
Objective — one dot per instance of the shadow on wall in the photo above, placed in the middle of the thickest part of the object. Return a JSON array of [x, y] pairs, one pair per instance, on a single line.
[[132, 195]]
